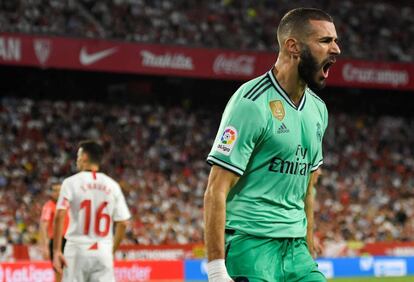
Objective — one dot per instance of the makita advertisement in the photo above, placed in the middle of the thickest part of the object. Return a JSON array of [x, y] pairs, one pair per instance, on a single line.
[[125, 57]]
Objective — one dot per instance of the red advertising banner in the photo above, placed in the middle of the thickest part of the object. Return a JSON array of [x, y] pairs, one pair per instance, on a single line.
[[125, 271], [160, 252], [388, 249], [26, 272], [137, 271], [124, 57]]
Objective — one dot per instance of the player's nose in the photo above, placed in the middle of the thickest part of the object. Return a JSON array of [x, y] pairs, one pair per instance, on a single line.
[[334, 49]]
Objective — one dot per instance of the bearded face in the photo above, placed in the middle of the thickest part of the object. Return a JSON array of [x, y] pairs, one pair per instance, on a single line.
[[312, 72]]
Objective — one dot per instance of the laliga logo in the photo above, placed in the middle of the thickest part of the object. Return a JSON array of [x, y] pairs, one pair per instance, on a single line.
[[42, 48], [235, 65], [229, 136]]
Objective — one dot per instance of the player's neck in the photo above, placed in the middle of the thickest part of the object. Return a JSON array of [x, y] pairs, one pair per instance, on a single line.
[[286, 73], [90, 167]]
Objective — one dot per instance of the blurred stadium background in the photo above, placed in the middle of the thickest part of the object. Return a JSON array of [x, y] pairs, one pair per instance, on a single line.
[[151, 78]]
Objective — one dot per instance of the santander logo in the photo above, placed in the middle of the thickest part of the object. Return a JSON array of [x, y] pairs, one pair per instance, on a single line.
[[133, 273], [167, 60], [234, 65]]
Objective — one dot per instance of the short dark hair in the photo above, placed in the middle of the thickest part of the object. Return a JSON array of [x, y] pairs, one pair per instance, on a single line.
[[93, 149], [296, 22]]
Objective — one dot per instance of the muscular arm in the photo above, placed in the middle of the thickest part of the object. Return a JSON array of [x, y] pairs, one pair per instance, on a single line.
[[58, 230], [43, 238], [220, 182], [309, 203], [120, 228], [58, 260]]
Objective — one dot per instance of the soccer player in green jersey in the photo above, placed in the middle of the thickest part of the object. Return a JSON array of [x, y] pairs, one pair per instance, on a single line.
[[258, 206]]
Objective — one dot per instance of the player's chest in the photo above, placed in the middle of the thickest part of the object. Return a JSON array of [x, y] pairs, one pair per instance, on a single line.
[[296, 133]]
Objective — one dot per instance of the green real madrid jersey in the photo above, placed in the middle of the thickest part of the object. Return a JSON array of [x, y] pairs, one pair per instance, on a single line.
[[273, 145]]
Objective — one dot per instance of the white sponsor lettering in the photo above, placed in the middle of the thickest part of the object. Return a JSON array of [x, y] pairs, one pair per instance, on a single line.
[[151, 254], [401, 251], [326, 267], [133, 273], [390, 267], [203, 267], [353, 73], [28, 274], [235, 65], [366, 263], [42, 49], [167, 61], [10, 49], [86, 58]]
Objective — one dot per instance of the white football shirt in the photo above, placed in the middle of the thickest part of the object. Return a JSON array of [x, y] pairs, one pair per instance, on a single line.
[[94, 201]]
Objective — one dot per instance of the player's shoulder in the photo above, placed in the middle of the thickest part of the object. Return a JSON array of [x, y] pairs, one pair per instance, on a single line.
[[72, 178], [109, 180], [254, 89], [49, 204], [248, 99], [315, 98], [318, 105]]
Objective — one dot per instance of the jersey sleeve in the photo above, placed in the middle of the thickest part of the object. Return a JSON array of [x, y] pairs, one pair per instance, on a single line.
[[241, 126], [121, 210], [47, 212], [65, 196], [320, 131]]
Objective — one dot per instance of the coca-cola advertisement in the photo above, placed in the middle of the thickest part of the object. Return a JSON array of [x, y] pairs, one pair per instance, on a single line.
[[157, 59], [234, 65]]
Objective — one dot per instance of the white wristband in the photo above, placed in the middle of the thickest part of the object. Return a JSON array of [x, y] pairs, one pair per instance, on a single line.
[[217, 272]]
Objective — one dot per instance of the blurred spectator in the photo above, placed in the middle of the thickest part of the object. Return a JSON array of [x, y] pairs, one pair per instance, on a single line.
[[366, 192], [372, 30], [157, 154]]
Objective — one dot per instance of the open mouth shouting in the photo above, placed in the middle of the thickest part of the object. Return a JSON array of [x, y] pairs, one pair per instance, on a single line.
[[326, 66]]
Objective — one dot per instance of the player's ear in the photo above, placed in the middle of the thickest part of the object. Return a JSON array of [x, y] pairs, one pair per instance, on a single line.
[[85, 157], [292, 45]]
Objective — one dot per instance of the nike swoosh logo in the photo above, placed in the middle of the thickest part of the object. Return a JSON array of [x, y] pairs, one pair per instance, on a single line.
[[87, 59]]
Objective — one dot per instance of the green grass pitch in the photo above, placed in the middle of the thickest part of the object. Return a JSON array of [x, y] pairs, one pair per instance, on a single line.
[[374, 279]]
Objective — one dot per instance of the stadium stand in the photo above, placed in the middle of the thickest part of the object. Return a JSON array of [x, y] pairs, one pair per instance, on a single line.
[[152, 154], [374, 30]]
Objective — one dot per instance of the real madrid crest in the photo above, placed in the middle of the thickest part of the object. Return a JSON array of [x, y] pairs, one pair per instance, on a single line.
[[277, 109]]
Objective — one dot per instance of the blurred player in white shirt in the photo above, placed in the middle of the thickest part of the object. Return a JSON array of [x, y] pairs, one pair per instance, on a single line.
[[95, 201]]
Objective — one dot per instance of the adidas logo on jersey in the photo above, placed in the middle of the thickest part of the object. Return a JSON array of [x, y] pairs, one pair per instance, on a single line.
[[283, 129]]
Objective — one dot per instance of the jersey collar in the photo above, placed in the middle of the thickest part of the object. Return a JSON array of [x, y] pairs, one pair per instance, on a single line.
[[282, 92]]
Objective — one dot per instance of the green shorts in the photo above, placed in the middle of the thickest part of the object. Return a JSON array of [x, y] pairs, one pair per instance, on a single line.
[[250, 258]]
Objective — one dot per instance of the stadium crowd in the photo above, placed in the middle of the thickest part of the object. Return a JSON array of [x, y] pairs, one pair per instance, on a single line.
[[374, 30], [157, 154]]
